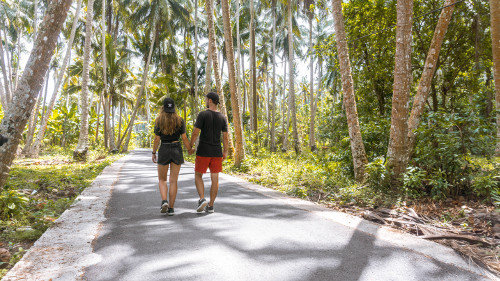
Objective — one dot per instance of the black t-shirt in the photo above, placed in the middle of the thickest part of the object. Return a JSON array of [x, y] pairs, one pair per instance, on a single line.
[[211, 124], [175, 136]]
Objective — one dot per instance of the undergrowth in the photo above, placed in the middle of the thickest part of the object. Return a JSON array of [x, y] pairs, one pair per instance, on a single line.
[[39, 190]]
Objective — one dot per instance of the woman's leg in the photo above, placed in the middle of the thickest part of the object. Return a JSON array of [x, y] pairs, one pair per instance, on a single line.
[[162, 180], [174, 176]]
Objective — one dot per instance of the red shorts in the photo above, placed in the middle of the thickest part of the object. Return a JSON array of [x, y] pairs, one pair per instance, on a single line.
[[202, 163]]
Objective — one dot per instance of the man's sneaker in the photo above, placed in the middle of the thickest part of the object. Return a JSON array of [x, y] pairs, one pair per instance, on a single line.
[[164, 206], [170, 211], [209, 209], [202, 203]]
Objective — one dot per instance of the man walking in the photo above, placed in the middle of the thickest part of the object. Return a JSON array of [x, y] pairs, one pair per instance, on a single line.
[[209, 154]]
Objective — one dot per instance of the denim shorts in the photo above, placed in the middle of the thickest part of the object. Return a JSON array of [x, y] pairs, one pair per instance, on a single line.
[[170, 153]]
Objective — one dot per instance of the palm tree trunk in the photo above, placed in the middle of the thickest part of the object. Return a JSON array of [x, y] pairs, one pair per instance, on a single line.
[[357, 146], [238, 59], [32, 125], [128, 130], [244, 82], [273, 105], [398, 144], [17, 115], [495, 38], [312, 140], [20, 35], [120, 120], [196, 100], [253, 75], [81, 149], [430, 66], [8, 95], [35, 151], [286, 113], [291, 92], [98, 122], [9, 62], [211, 40], [208, 70], [108, 100], [239, 153]]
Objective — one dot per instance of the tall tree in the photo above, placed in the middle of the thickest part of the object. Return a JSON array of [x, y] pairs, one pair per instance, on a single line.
[[196, 57], [80, 152], [35, 150], [357, 146], [398, 145], [430, 66], [17, 115], [291, 70], [228, 38], [215, 64], [495, 39], [273, 103], [310, 16], [8, 95], [253, 74], [128, 130]]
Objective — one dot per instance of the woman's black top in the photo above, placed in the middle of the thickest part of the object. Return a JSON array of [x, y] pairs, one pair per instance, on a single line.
[[171, 138]]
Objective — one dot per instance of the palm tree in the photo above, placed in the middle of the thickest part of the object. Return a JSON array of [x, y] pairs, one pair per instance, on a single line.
[[291, 73], [17, 116], [215, 62], [273, 105], [253, 74], [357, 146], [35, 150], [398, 144], [495, 38], [80, 152], [240, 153], [154, 14]]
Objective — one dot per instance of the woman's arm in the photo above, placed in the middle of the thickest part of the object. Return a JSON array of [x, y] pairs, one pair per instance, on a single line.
[[186, 142], [155, 147]]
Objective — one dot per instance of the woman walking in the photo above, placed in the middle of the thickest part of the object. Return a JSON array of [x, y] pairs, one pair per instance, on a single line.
[[169, 127]]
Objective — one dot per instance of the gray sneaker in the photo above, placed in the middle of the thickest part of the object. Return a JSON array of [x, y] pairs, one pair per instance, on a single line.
[[170, 211], [164, 206], [202, 203], [209, 209]]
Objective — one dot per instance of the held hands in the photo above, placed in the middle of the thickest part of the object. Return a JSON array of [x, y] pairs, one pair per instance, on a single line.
[[191, 151], [224, 155]]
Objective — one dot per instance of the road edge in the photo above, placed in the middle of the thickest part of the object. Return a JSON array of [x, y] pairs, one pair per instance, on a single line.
[[399, 238], [65, 249]]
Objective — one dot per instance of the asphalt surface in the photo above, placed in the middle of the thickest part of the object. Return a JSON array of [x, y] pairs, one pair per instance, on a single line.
[[253, 235]]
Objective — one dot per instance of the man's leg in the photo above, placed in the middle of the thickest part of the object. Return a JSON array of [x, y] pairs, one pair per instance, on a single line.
[[214, 188], [200, 187]]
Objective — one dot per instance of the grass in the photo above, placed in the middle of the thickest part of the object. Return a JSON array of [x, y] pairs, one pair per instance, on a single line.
[[38, 191]]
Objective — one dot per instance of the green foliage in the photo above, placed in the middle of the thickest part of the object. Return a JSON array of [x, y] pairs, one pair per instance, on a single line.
[[36, 195], [486, 185], [12, 203], [377, 173], [413, 181]]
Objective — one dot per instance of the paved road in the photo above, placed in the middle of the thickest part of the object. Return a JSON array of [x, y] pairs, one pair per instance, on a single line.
[[254, 234]]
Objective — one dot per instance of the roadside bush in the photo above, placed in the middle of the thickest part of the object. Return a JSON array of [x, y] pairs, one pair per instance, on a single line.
[[12, 203]]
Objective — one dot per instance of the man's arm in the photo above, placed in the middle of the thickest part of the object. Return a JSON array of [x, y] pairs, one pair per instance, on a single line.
[[225, 145], [194, 137]]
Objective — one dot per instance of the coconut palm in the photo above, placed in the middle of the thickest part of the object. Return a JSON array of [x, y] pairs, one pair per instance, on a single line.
[[17, 116]]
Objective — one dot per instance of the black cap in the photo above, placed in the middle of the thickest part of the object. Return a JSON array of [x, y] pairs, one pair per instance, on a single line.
[[213, 96], [168, 105]]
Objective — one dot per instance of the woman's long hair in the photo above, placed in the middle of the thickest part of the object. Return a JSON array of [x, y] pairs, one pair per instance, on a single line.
[[168, 122]]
